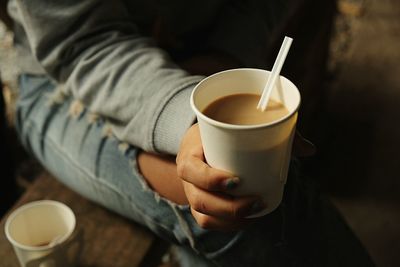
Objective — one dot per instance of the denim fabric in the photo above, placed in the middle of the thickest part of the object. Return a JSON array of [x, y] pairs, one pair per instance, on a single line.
[[77, 147]]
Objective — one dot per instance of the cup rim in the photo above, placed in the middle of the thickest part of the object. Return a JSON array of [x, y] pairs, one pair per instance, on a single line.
[[235, 126], [26, 206]]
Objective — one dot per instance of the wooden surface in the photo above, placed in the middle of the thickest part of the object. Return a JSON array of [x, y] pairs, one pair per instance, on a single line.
[[109, 239]]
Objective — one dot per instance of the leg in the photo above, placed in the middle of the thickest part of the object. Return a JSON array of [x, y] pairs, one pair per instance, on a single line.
[[304, 231], [77, 148], [79, 152]]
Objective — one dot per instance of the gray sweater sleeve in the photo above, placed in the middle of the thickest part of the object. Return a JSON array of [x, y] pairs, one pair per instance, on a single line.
[[94, 49]]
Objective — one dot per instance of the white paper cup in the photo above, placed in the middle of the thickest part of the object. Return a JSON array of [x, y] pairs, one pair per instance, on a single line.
[[31, 229], [258, 154]]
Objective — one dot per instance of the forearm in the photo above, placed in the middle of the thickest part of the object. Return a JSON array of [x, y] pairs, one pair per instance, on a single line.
[[94, 50]]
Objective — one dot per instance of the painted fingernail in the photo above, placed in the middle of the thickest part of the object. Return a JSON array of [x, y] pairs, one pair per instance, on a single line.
[[257, 206], [231, 183]]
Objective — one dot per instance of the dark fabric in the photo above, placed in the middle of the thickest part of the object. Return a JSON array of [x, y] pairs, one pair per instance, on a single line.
[[8, 191]]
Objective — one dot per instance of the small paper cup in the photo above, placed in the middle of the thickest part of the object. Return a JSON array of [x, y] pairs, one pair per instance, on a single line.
[[32, 227]]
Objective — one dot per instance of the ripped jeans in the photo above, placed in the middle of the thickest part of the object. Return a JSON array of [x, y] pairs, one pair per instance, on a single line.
[[80, 150]]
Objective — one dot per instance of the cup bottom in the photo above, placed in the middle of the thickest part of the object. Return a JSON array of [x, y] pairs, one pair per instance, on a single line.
[[263, 212]]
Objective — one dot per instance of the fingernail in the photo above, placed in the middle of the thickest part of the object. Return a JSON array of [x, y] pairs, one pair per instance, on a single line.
[[257, 206], [231, 182]]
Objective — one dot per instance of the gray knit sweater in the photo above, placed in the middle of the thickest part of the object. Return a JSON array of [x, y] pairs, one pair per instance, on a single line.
[[102, 53]]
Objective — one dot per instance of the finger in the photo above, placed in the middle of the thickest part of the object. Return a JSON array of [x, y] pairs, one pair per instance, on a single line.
[[220, 205], [213, 223], [192, 168], [197, 172]]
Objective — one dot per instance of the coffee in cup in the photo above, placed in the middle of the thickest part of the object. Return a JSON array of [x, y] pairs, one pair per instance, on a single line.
[[241, 109]]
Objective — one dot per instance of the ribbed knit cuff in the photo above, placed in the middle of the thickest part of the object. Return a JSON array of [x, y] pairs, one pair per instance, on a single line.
[[173, 122]]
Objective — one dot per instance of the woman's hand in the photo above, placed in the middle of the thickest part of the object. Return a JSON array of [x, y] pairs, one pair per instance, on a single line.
[[207, 189]]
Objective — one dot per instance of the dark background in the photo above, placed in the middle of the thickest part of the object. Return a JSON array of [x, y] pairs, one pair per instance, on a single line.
[[351, 112]]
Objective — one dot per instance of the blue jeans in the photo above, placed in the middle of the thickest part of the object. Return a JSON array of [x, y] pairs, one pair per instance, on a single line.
[[77, 147]]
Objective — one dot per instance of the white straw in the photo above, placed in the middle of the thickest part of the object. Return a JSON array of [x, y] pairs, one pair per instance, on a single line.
[[276, 69]]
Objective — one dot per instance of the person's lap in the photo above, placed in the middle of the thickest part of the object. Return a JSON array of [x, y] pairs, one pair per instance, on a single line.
[[79, 150]]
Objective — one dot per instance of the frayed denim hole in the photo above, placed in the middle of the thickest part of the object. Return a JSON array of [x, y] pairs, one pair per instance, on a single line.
[[93, 118], [56, 97], [123, 147], [145, 186], [181, 228], [132, 154], [187, 230], [76, 109], [107, 131]]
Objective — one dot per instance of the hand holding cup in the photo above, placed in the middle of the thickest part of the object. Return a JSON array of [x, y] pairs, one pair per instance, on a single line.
[[207, 189]]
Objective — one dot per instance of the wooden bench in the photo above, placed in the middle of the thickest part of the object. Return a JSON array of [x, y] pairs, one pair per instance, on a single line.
[[109, 239]]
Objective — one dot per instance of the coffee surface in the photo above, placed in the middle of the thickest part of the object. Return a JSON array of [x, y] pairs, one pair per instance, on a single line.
[[241, 109]]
